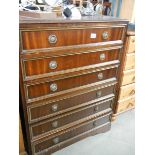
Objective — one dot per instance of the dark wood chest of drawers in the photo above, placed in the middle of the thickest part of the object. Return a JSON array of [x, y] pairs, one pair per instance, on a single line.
[[69, 76]]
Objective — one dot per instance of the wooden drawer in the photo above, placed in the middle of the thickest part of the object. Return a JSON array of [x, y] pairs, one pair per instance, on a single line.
[[126, 91], [55, 107], [128, 77], [70, 133], [62, 122], [45, 66], [56, 38], [126, 104], [131, 45], [101, 129], [130, 61], [49, 87]]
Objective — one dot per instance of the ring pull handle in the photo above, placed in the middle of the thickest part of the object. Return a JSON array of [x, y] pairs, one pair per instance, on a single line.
[[102, 56], [100, 76], [99, 94], [96, 108], [54, 107], [56, 140], [53, 87], [53, 65], [111, 104], [55, 124], [52, 39], [94, 123], [105, 35]]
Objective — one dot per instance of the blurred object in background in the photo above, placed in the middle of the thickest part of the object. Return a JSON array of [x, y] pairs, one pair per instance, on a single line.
[[99, 7], [124, 9], [107, 8], [79, 2], [28, 5], [87, 8]]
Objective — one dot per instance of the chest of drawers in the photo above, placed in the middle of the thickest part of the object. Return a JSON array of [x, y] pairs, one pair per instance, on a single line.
[[69, 76], [126, 98]]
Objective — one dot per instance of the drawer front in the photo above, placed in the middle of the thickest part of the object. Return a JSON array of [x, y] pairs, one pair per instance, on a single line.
[[128, 77], [58, 107], [47, 88], [61, 122], [130, 61], [126, 104], [50, 142], [101, 129], [51, 65], [131, 46], [126, 91], [57, 38]]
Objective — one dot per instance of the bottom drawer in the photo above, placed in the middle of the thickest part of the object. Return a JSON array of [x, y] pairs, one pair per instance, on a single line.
[[126, 104], [52, 142]]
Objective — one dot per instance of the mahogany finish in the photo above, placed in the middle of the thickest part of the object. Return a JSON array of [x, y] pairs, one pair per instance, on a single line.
[[41, 89], [40, 65], [84, 127], [69, 78], [39, 38], [55, 124], [43, 111]]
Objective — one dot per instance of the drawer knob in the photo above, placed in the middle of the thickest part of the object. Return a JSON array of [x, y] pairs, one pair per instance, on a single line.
[[105, 35], [52, 39], [111, 104], [54, 107], [94, 123], [99, 94], [53, 65], [133, 40], [102, 56], [53, 87], [96, 108], [132, 92], [56, 140], [55, 124], [100, 76]]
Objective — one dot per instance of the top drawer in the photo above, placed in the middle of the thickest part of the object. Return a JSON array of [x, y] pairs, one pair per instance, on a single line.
[[57, 37]]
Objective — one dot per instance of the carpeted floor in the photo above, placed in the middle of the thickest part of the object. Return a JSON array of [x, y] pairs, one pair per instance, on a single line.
[[118, 141]]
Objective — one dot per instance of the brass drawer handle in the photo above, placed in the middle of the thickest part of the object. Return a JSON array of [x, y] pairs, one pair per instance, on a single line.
[[54, 107], [53, 87], [55, 124], [100, 76], [99, 94], [56, 140], [105, 35], [132, 92], [53, 65], [111, 104], [52, 39], [102, 56], [94, 123], [96, 108]]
